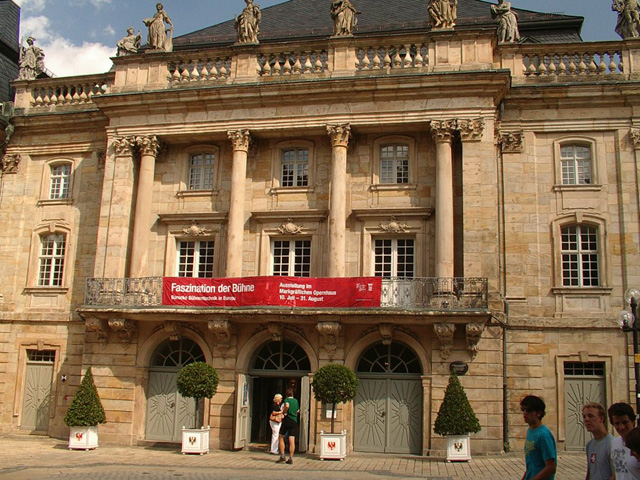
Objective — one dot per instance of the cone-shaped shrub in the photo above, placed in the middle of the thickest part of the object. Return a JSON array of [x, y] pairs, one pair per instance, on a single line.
[[456, 417], [333, 384], [197, 380], [85, 409]]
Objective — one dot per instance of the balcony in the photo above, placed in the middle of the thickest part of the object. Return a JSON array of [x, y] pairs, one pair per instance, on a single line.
[[415, 294]]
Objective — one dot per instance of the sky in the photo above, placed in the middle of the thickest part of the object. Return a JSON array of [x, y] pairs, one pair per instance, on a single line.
[[79, 36]]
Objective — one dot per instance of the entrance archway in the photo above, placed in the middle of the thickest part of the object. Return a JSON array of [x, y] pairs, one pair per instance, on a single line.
[[167, 410], [274, 367], [388, 405]]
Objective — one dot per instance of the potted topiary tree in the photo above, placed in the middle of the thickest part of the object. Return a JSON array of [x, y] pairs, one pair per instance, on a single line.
[[84, 415], [333, 384], [456, 420], [197, 380]]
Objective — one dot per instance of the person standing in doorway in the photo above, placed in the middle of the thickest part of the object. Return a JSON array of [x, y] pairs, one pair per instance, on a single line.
[[625, 466], [540, 447], [275, 422], [289, 426], [599, 447]]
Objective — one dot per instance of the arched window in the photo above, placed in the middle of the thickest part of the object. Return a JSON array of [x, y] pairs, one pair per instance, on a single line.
[[177, 353], [395, 358], [281, 356]]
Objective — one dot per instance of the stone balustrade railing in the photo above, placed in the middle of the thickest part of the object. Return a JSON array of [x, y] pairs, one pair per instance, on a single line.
[[407, 55], [566, 62], [67, 91], [529, 63]]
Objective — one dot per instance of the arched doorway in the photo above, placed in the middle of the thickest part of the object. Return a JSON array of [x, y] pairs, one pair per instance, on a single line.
[[167, 410], [274, 367], [388, 405]]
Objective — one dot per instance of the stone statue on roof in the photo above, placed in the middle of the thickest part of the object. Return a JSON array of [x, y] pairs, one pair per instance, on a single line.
[[443, 14], [507, 22], [158, 38], [628, 24], [344, 17], [129, 44], [248, 23], [31, 62]]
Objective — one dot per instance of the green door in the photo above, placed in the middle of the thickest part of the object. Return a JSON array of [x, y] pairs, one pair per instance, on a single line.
[[167, 410], [37, 390]]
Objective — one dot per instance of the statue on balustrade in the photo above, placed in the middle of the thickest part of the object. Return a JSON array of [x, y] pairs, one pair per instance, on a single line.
[[443, 13], [158, 38], [628, 24], [507, 22], [129, 44], [248, 23], [344, 17], [31, 63]]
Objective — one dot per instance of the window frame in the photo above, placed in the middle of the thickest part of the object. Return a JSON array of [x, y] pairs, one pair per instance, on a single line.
[[33, 271], [579, 256], [292, 255], [184, 170], [376, 174], [196, 256], [394, 254], [585, 142], [276, 172], [48, 177]]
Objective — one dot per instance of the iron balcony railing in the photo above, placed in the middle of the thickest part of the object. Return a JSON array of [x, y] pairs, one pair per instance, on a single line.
[[397, 293]]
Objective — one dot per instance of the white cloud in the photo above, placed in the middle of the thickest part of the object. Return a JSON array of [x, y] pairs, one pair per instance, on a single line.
[[33, 5], [109, 30], [62, 57], [65, 59]]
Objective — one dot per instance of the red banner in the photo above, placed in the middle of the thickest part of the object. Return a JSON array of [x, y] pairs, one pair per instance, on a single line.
[[272, 291]]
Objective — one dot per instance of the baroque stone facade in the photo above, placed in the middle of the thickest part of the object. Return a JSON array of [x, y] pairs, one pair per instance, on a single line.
[[498, 202]]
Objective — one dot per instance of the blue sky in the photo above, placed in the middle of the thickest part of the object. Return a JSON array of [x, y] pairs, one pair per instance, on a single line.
[[79, 36]]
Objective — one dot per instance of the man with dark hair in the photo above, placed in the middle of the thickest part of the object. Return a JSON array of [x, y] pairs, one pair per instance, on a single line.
[[540, 447], [599, 447], [625, 465]]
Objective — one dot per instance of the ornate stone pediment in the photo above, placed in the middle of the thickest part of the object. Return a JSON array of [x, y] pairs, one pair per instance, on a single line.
[[123, 327], [445, 332], [9, 164], [330, 332]]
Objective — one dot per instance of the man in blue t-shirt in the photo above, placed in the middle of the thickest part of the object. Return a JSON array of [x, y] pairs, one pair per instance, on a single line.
[[540, 447]]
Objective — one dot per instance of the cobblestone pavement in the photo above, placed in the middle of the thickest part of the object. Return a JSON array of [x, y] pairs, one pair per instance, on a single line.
[[37, 458]]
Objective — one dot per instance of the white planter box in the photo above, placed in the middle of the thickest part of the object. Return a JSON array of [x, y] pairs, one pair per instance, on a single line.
[[458, 448], [333, 445], [195, 440], [83, 438]]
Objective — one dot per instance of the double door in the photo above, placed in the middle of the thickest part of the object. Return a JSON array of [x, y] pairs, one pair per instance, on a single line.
[[388, 415]]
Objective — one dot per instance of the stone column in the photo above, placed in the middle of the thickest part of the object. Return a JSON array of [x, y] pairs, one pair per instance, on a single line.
[[149, 147], [339, 135], [240, 140], [442, 132]]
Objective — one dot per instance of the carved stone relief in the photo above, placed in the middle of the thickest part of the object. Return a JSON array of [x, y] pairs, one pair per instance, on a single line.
[[330, 332], [634, 133], [386, 332], [10, 163], [174, 330], [445, 332], [290, 228], [196, 230], [97, 326], [123, 327], [393, 226], [275, 330], [474, 332], [471, 130], [222, 330], [511, 142]]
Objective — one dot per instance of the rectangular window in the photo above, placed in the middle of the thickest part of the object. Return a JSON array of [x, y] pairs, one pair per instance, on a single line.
[[195, 259], [584, 368], [201, 171], [51, 262], [580, 257], [291, 258], [394, 257], [41, 356], [576, 165], [394, 164], [60, 180], [295, 168]]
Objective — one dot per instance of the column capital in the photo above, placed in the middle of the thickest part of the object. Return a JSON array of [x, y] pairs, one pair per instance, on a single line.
[[339, 134], [471, 130], [442, 130], [148, 145], [240, 139], [634, 133], [123, 146], [511, 142], [9, 163]]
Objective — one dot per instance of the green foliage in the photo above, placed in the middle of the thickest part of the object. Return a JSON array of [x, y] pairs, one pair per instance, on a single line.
[[85, 409], [456, 417], [334, 384], [198, 380]]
